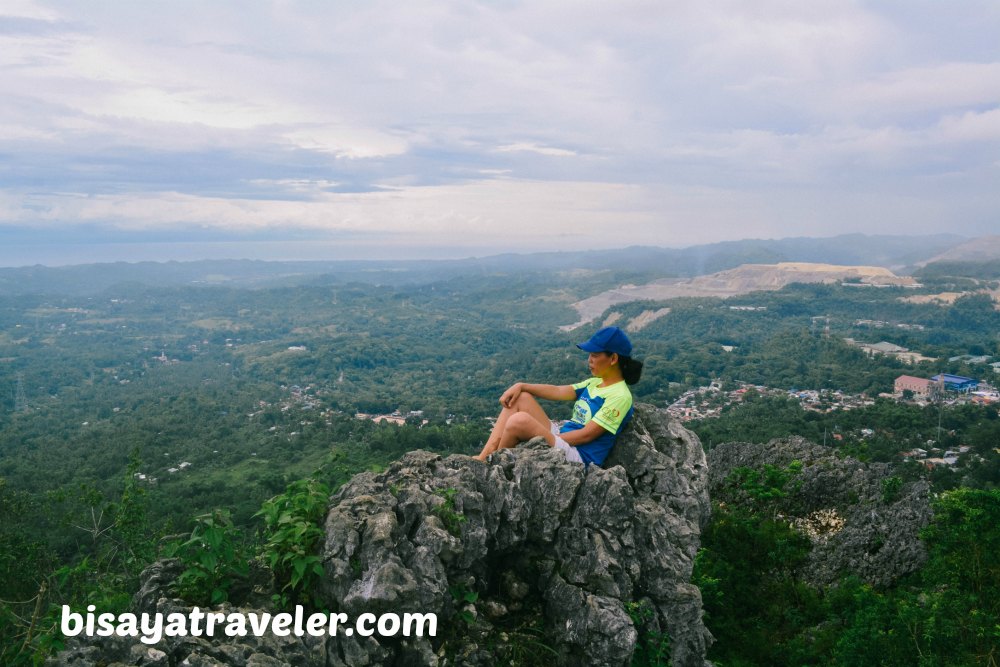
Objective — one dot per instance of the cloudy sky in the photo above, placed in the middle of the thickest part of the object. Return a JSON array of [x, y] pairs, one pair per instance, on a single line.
[[432, 128]]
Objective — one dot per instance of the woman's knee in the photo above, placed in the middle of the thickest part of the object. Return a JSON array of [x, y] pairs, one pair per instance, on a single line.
[[529, 404], [523, 425], [523, 401]]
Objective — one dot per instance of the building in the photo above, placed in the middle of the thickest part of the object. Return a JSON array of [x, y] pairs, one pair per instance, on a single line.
[[956, 382], [912, 357], [985, 397], [884, 347], [392, 419], [969, 359], [919, 386]]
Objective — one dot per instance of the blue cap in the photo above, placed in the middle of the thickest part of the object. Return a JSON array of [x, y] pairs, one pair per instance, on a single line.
[[608, 339]]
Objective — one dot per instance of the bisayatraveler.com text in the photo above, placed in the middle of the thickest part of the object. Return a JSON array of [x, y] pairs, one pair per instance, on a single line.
[[151, 628]]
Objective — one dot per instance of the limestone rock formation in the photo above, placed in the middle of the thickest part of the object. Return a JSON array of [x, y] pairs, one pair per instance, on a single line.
[[526, 559], [858, 524]]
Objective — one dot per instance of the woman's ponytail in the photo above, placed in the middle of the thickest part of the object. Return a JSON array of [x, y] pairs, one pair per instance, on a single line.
[[631, 369]]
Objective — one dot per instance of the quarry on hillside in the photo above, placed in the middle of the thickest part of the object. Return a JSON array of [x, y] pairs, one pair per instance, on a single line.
[[949, 298], [982, 249], [741, 280]]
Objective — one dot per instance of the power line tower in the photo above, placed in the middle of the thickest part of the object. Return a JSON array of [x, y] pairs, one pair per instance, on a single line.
[[20, 402]]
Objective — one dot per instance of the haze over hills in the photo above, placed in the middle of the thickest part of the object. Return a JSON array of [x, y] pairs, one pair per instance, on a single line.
[[982, 249], [891, 252]]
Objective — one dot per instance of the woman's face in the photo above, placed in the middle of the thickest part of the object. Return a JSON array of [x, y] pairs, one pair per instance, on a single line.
[[601, 362]]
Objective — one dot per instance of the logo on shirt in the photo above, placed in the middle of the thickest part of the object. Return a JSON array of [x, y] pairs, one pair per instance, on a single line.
[[610, 414]]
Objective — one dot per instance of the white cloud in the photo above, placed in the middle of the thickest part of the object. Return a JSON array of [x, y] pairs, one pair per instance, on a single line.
[[497, 209], [943, 86], [160, 106], [682, 118], [27, 9], [528, 147], [970, 126], [785, 41], [349, 142]]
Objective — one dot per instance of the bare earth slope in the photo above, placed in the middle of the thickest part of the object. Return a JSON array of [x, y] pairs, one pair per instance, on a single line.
[[741, 280], [982, 249]]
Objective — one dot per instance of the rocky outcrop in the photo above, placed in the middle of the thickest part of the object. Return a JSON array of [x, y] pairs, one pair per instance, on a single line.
[[525, 558], [860, 520], [552, 554]]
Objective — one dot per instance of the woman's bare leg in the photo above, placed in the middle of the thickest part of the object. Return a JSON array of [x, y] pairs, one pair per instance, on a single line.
[[526, 404], [521, 427]]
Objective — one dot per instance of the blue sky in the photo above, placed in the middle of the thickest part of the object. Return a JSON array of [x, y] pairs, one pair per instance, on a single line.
[[461, 128]]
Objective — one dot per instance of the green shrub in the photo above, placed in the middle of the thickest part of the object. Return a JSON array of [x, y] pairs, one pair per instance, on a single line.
[[462, 596], [450, 517], [213, 558], [652, 648], [293, 535], [891, 486]]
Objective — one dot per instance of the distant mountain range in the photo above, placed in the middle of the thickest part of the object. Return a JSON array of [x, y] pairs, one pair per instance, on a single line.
[[982, 249], [893, 252]]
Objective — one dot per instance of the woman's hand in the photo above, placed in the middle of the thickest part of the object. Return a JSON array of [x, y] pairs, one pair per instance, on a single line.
[[509, 397]]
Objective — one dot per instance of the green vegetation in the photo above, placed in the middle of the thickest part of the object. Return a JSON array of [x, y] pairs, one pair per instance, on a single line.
[[460, 597], [213, 558], [960, 273], [754, 604], [947, 615], [293, 535], [125, 410], [896, 427], [891, 487], [445, 511], [763, 487], [653, 645]]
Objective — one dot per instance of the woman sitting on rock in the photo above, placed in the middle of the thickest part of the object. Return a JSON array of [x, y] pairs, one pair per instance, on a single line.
[[603, 404]]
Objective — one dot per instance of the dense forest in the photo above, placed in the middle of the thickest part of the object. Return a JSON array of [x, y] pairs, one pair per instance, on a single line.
[[127, 413]]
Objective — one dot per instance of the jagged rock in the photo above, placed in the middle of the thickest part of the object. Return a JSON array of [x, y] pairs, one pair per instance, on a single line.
[[526, 553], [562, 549], [840, 503]]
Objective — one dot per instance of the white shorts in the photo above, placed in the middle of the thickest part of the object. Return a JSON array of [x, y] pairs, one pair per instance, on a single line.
[[568, 449]]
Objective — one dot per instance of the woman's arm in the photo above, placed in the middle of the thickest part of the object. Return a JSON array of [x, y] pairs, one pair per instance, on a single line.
[[549, 392], [581, 436]]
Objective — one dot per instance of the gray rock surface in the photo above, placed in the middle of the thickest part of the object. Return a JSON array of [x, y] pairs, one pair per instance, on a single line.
[[525, 558], [841, 504], [553, 553]]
